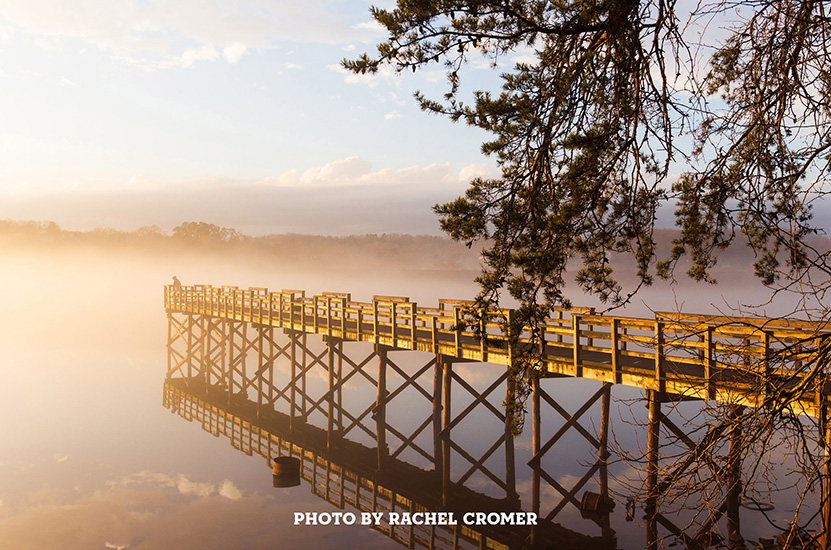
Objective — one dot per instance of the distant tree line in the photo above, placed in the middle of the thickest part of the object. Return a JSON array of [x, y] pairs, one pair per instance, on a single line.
[[192, 237]]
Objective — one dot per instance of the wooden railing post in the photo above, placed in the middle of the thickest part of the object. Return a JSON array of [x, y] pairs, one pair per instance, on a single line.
[[710, 362], [576, 352], [457, 330], [435, 333], [616, 366], [375, 319], [483, 333], [393, 322], [413, 336], [660, 375], [766, 366]]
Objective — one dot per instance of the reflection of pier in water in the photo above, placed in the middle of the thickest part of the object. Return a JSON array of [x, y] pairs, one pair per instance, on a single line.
[[347, 475], [223, 339]]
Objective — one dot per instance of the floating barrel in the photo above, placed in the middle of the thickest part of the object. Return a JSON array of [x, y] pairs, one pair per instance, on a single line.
[[594, 503], [285, 471]]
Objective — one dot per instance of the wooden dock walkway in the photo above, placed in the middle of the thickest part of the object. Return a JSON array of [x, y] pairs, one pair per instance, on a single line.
[[732, 359]]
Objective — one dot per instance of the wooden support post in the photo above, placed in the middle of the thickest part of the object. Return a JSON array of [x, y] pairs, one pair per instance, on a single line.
[[652, 469], [603, 451], [536, 442], [260, 364], [223, 353], [205, 344], [825, 479], [270, 364], [169, 344], [293, 381], [510, 465], [446, 420], [438, 371], [303, 361], [230, 370], [734, 482], [340, 386], [330, 420], [243, 355], [190, 348], [381, 406], [603, 456]]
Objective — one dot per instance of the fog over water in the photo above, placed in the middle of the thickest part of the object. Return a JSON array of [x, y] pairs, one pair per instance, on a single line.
[[90, 459]]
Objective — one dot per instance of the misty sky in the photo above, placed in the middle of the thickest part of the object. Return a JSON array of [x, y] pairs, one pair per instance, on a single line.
[[140, 112]]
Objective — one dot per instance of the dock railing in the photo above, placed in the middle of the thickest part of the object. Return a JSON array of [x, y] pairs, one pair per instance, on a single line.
[[737, 359]]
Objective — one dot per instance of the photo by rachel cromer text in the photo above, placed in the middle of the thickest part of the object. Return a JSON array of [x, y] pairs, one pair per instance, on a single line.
[[415, 518]]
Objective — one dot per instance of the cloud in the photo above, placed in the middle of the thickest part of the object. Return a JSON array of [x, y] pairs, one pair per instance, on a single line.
[[188, 487], [384, 74], [181, 483], [347, 170], [156, 35], [233, 52], [191, 55], [472, 171], [393, 115], [106, 519], [341, 197], [229, 491]]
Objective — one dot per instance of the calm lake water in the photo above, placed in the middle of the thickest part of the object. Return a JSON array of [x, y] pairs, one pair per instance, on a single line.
[[91, 459]]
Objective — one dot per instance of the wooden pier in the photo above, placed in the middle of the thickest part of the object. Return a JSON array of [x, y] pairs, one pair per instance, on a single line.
[[216, 333], [695, 356]]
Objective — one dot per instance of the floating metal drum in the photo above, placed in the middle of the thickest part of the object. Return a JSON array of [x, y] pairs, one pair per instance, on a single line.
[[286, 471], [593, 503]]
